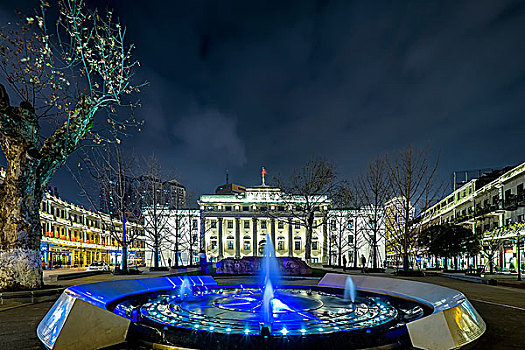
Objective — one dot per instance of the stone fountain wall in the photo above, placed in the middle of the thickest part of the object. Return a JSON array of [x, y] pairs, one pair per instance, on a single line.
[[252, 265]]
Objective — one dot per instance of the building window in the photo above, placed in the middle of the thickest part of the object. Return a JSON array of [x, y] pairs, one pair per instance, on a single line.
[[228, 208], [230, 245], [263, 225], [213, 244], [213, 224], [297, 244], [245, 208], [350, 239], [246, 224], [297, 225], [194, 224], [280, 245], [230, 223], [280, 225], [280, 208], [246, 245], [314, 245]]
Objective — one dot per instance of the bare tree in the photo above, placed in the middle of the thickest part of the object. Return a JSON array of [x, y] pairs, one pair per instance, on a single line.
[[341, 220], [115, 174], [413, 189], [66, 77], [307, 192], [372, 191], [156, 211], [189, 233]]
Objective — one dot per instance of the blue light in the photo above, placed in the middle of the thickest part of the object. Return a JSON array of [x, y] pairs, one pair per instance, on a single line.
[[303, 330], [246, 331], [197, 326], [284, 331], [212, 328], [320, 329], [228, 329], [368, 331]]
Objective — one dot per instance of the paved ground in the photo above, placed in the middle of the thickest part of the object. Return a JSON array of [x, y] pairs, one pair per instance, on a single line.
[[502, 308]]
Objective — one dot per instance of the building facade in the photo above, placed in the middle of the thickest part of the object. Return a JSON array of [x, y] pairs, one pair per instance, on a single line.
[[141, 192], [177, 236], [73, 236], [238, 225], [493, 202], [237, 222]]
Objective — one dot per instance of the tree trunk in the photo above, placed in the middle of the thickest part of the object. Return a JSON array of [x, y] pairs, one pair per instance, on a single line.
[[30, 166], [20, 197], [124, 261], [374, 253], [340, 251], [406, 264], [20, 229], [156, 250], [309, 232]]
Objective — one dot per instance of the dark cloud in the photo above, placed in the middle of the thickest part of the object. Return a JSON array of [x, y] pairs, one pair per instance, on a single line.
[[237, 84]]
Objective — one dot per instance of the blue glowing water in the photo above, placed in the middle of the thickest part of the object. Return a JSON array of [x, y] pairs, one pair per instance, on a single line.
[[269, 266], [271, 274], [349, 294], [186, 289], [268, 298]]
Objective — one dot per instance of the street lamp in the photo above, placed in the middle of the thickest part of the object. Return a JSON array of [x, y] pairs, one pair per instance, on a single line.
[[519, 256]]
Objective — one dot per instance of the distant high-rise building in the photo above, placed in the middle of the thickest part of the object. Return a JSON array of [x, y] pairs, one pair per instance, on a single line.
[[142, 192]]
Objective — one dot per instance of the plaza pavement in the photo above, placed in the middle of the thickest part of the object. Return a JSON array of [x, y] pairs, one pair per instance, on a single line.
[[502, 308]]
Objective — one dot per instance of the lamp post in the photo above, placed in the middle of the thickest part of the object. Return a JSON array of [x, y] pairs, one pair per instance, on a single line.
[[519, 257]]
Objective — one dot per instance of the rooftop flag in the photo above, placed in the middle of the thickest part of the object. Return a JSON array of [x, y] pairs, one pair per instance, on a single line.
[[263, 173]]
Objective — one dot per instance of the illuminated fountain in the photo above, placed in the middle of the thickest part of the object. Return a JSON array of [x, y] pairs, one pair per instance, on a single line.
[[349, 294], [270, 312], [195, 312]]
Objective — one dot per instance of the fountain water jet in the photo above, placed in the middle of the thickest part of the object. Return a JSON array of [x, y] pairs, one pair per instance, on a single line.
[[349, 294], [270, 273], [186, 288], [267, 303]]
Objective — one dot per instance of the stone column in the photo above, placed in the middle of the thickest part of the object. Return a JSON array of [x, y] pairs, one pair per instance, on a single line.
[[272, 232], [290, 237], [202, 243], [237, 239], [254, 230], [324, 260], [220, 239]]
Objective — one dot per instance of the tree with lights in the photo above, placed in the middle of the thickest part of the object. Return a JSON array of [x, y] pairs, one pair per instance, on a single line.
[[53, 86]]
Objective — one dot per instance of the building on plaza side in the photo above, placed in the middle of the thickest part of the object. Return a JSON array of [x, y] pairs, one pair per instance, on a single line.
[[236, 222], [73, 236], [494, 201]]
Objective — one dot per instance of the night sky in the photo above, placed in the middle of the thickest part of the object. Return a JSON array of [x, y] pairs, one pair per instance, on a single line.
[[238, 85]]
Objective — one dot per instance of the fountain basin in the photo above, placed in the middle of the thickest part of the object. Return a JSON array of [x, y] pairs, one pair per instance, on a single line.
[[230, 317]]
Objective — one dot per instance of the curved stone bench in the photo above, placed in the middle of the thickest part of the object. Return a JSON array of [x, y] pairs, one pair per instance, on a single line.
[[453, 323]]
